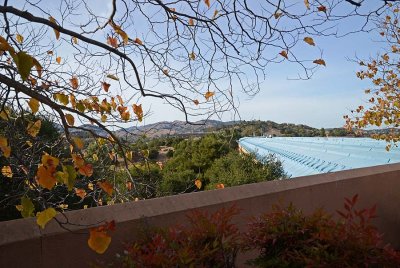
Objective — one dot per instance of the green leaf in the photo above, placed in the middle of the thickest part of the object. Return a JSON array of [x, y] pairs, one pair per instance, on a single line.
[[45, 216], [26, 208], [24, 64], [70, 170]]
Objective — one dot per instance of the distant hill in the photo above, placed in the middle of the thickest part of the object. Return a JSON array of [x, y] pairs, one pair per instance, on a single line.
[[243, 128]]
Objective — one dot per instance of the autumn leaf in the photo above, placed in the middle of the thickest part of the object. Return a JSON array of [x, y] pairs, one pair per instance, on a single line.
[[113, 77], [125, 116], [105, 86], [75, 40], [320, 62], [45, 216], [307, 3], [322, 9], [284, 54], [58, 60], [81, 193], [38, 67], [19, 38], [78, 160], [34, 128], [50, 161], [215, 14], [106, 187], [74, 82], [70, 119], [277, 15], [128, 185], [191, 22], [196, 102], [7, 172], [129, 155], [103, 118], [3, 141], [119, 31], [192, 56], [220, 186], [86, 170], [138, 41], [309, 41], [99, 240], [78, 142], [112, 41], [137, 109], [26, 208], [207, 2], [4, 147], [45, 177], [198, 184], [24, 64], [209, 94], [34, 105], [57, 33], [50, 52]]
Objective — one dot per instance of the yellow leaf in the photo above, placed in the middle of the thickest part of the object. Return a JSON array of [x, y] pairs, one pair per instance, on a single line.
[[209, 94], [119, 31], [106, 187], [138, 41], [7, 172], [307, 3], [4, 115], [6, 151], [3, 141], [198, 184], [320, 62], [78, 142], [34, 105], [34, 128], [207, 2], [309, 41], [284, 54], [129, 155], [45, 216], [24, 63], [58, 60], [90, 186], [137, 109], [99, 240], [19, 38], [75, 40], [57, 33], [113, 77], [103, 118], [70, 119], [26, 208], [45, 177], [74, 82], [192, 56]]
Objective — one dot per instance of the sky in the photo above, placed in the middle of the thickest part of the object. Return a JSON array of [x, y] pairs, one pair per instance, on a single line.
[[321, 101]]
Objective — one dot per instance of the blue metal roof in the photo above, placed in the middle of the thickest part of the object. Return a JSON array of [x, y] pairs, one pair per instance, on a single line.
[[303, 156]]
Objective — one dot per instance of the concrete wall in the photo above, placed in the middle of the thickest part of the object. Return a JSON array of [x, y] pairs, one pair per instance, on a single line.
[[23, 244]]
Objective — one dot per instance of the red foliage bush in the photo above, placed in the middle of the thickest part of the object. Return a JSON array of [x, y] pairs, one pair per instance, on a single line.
[[288, 238]]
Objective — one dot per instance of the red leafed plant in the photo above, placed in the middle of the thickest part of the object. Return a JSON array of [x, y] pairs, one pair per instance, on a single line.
[[208, 240], [288, 238]]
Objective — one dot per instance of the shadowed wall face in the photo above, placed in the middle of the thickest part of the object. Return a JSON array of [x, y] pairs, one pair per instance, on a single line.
[[23, 244]]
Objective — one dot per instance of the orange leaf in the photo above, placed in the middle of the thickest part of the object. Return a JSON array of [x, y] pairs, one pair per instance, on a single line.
[[86, 170], [112, 41], [106, 186], [220, 186], [191, 22], [198, 184], [106, 86], [209, 94], [58, 60], [129, 185], [320, 62], [138, 41], [322, 9], [74, 82], [81, 193], [207, 2], [307, 3], [78, 142], [45, 177], [125, 116], [137, 109], [99, 240], [284, 54], [309, 41], [78, 160], [50, 161], [7, 172]]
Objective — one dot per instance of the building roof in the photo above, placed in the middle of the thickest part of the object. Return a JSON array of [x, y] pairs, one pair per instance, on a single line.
[[303, 156]]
